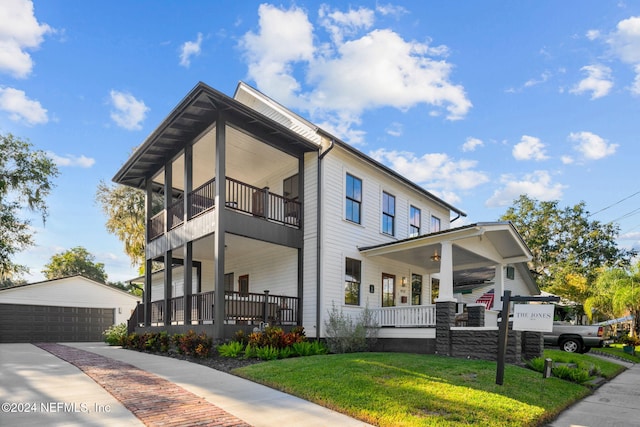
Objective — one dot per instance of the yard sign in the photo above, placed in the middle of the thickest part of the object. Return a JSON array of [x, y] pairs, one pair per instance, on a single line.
[[533, 317]]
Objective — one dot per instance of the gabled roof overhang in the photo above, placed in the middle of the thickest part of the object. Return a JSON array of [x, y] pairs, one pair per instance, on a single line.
[[196, 113], [473, 246]]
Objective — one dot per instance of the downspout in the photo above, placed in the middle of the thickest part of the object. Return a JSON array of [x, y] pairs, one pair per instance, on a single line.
[[319, 238], [456, 218]]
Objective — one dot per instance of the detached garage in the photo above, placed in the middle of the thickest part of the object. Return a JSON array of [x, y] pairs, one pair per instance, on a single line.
[[71, 309]]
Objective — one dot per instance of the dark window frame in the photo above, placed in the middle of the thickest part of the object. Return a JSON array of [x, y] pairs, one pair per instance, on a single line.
[[352, 281], [353, 196], [388, 213], [414, 229]]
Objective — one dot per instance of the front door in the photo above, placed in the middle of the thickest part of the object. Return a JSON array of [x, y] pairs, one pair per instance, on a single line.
[[388, 290]]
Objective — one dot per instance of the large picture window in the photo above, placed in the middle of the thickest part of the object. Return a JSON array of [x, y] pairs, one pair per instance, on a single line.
[[352, 273], [354, 199], [388, 213], [414, 221]]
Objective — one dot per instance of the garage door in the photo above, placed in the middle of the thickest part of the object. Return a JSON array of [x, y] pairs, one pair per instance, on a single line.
[[39, 323]]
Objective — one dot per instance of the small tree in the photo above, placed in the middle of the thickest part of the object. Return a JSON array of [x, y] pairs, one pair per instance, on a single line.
[[348, 335], [75, 261]]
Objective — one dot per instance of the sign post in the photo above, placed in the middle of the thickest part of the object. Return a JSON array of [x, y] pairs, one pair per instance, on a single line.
[[526, 318]]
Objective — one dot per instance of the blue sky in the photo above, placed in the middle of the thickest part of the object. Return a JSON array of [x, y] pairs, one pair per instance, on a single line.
[[478, 102]]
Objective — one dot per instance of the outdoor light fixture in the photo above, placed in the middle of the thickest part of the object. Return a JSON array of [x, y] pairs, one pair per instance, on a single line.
[[435, 257]]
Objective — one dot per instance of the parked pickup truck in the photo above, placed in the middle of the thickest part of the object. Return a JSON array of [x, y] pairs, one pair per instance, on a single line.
[[577, 338]]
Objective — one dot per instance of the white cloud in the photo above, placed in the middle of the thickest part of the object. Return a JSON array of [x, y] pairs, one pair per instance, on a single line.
[[394, 129], [592, 146], [72, 161], [544, 77], [593, 34], [625, 44], [128, 112], [537, 185], [190, 49], [19, 31], [566, 160], [471, 144], [635, 87], [436, 172], [598, 81], [529, 148], [21, 108], [360, 68], [340, 24], [625, 40]]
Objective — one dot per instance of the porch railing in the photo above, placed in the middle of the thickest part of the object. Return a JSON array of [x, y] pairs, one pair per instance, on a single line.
[[241, 197], [240, 308], [409, 316], [202, 198], [261, 202]]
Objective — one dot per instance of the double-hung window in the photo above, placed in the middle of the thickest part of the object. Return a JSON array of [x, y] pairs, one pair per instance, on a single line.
[[352, 270], [354, 199], [414, 221], [388, 213], [435, 224]]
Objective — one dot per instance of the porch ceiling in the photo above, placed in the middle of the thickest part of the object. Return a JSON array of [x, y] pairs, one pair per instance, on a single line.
[[473, 246], [198, 111]]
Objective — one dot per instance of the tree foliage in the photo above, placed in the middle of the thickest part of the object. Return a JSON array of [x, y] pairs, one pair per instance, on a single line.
[[75, 261], [616, 293], [125, 210], [25, 181], [566, 245]]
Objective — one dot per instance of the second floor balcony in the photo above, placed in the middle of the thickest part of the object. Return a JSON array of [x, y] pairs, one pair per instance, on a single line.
[[240, 197]]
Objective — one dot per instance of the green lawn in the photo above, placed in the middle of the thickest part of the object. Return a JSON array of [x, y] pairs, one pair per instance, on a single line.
[[397, 389], [616, 350]]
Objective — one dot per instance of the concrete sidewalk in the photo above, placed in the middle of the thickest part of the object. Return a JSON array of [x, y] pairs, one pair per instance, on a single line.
[[614, 404], [31, 375]]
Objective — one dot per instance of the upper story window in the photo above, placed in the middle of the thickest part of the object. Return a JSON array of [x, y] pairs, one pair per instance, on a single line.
[[388, 213], [354, 199], [414, 221], [435, 224]]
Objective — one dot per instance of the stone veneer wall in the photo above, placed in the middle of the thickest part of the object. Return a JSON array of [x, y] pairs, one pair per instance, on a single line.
[[477, 342]]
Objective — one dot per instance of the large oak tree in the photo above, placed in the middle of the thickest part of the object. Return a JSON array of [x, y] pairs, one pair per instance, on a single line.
[[26, 179]]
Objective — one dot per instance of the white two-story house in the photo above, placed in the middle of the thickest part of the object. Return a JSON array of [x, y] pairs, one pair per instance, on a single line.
[[258, 215]]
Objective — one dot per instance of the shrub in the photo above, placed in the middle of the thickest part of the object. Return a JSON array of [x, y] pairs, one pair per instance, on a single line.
[[268, 352], [283, 353], [116, 334], [190, 344], [346, 335], [231, 349], [307, 348]]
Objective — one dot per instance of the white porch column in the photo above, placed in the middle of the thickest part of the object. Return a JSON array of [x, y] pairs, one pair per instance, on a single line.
[[498, 288], [446, 273]]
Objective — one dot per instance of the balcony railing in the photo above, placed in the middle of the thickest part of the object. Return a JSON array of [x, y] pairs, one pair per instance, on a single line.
[[240, 308], [410, 316], [241, 197]]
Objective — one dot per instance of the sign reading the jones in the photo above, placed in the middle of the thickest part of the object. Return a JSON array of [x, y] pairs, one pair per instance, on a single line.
[[533, 317]]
